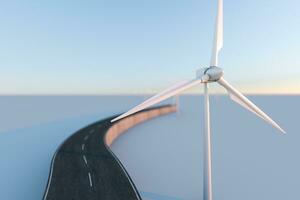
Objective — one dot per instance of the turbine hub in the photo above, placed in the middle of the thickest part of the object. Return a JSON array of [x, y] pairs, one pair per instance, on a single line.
[[214, 73]]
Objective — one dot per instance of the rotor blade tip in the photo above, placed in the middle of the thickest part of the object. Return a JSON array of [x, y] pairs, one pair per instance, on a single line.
[[283, 131], [113, 120]]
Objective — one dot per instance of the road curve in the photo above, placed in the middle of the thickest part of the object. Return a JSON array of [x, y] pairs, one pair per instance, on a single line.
[[84, 167]]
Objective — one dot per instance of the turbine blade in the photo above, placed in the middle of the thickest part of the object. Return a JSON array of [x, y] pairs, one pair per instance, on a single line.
[[218, 37], [169, 92], [239, 98]]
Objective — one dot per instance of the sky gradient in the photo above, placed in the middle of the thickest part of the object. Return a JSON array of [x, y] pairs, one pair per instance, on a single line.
[[136, 47]]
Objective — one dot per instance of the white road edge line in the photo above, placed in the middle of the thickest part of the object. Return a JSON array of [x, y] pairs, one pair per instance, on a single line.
[[90, 179], [125, 172], [82, 147], [50, 176], [92, 131]]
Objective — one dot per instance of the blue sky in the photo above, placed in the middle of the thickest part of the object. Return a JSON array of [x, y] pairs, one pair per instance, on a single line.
[[138, 46]]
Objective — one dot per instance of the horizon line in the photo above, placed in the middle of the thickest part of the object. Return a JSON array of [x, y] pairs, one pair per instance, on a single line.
[[147, 94]]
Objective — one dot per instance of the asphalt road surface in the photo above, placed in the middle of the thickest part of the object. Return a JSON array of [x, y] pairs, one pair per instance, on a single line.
[[84, 168]]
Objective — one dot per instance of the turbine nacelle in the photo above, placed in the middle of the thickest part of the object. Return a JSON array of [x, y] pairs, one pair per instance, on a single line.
[[209, 74]]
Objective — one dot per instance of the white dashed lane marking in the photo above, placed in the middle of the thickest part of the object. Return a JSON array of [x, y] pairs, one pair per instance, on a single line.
[[85, 160], [84, 157], [90, 179], [86, 137]]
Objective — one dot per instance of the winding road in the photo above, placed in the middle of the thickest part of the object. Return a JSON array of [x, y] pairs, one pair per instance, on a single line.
[[84, 167]]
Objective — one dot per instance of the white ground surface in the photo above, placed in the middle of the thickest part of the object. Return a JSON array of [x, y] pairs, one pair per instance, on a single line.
[[251, 160]]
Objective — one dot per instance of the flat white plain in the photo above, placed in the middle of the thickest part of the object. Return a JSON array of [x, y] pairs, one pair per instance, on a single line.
[[251, 160]]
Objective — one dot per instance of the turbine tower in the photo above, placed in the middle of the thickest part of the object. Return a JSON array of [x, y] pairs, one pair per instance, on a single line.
[[207, 75]]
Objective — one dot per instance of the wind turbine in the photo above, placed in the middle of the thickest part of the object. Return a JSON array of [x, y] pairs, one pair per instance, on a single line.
[[205, 76]]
